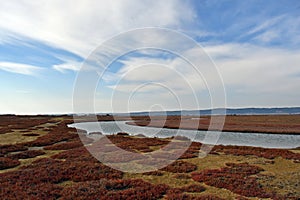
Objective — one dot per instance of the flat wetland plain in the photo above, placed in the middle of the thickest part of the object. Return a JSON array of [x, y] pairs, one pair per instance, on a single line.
[[42, 158], [282, 124]]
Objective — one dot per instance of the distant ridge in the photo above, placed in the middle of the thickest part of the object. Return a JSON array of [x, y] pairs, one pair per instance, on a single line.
[[218, 111]]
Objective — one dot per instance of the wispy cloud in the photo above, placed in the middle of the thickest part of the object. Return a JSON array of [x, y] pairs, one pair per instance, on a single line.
[[265, 25], [23, 91], [258, 70], [248, 70], [60, 24], [20, 68], [283, 30], [68, 66]]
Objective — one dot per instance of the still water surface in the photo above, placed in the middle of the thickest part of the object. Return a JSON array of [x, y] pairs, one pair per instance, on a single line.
[[213, 137]]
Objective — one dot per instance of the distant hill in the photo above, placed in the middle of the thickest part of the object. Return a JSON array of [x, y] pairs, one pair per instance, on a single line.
[[229, 111]]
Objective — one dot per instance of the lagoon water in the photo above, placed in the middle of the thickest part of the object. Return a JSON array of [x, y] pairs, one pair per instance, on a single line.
[[209, 137]]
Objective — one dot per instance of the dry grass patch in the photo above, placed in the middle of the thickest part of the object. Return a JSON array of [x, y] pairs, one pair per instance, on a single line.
[[284, 175], [19, 137]]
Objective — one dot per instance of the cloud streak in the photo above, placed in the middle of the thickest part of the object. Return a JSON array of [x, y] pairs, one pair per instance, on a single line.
[[248, 70], [20, 68], [80, 27], [68, 66]]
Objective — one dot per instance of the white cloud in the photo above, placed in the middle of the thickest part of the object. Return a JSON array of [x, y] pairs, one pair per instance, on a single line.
[[72, 66], [80, 26], [174, 74], [265, 25], [132, 88], [279, 29], [250, 71], [20, 68], [150, 67], [258, 70], [23, 91]]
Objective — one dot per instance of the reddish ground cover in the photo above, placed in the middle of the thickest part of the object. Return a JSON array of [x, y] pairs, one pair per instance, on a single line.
[[236, 178], [182, 196], [6, 163], [136, 144], [56, 134], [26, 154], [284, 124], [180, 167], [257, 151], [115, 189], [11, 122], [4, 149], [64, 145], [75, 174]]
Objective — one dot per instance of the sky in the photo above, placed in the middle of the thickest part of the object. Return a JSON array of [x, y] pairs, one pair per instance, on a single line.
[[253, 44]]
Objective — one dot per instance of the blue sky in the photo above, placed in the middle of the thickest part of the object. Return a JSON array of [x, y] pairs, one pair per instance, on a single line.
[[254, 44]]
